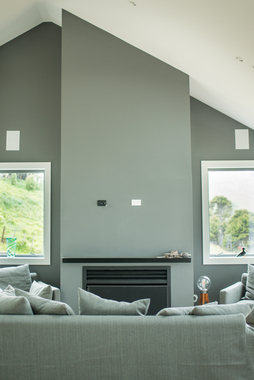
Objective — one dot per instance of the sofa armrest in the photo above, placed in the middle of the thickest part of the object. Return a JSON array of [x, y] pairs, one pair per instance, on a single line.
[[56, 294], [232, 293]]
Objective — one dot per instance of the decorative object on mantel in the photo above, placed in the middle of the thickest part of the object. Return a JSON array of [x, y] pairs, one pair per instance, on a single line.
[[204, 283], [175, 255]]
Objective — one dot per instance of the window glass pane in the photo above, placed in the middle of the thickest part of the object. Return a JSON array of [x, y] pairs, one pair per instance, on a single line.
[[22, 211], [231, 212], [228, 212], [25, 213]]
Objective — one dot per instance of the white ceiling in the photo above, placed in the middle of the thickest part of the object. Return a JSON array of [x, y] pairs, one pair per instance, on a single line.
[[199, 37]]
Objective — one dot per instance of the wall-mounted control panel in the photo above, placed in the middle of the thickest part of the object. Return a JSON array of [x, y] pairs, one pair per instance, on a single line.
[[102, 203], [136, 202]]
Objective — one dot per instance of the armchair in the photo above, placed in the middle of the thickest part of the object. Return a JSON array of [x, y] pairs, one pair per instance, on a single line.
[[235, 292]]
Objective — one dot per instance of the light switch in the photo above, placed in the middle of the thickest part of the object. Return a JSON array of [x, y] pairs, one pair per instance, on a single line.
[[136, 202]]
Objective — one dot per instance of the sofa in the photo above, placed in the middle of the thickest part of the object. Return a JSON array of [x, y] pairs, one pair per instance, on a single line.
[[50, 347], [106, 341]]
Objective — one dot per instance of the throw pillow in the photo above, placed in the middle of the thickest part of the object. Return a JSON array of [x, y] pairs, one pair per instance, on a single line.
[[91, 304], [243, 308], [168, 311], [250, 317], [44, 306], [249, 295], [10, 304], [41, 290], [18, 277]]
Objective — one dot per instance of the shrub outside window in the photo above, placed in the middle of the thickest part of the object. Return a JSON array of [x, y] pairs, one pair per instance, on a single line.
[[25, 198], [228, 212]]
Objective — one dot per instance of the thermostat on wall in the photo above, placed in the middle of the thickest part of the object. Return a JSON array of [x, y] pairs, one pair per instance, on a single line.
[[102, 203]]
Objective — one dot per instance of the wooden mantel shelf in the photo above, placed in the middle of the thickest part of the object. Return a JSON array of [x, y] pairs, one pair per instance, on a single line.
[[128, 260]]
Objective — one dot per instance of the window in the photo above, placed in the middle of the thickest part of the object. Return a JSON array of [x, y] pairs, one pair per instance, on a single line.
[[25, 197], [228, 212]]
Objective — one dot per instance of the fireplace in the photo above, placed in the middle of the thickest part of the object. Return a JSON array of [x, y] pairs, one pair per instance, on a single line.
[[168, 282], [129, 283]]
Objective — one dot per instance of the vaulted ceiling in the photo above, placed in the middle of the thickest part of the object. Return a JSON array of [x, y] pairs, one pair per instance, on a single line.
[[211, 41]]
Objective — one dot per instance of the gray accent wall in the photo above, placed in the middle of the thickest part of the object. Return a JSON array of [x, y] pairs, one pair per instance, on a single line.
[[213, 138], [30, 101], [125, 135]]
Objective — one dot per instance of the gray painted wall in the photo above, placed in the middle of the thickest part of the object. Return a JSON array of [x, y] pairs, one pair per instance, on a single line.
[[125, 134], [213, 138], [30, 96]]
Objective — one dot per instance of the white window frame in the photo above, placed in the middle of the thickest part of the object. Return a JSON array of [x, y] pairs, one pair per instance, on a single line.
[[46, 168], [205, 167]]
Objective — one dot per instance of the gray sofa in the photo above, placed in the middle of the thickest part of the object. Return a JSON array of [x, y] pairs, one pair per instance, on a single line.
[[207, 342], [47, 347], [234, 293]]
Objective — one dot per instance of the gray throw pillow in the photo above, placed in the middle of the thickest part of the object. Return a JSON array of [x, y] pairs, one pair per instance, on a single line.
[[18, 277], [249, 295], [234, 308], [91, 304], [42, 290], [168, 311], [250, 317], [10, 304], [44, 306]]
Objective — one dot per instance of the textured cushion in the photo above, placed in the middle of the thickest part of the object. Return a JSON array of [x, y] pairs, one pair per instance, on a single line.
[[168, 311], [250, 283], [250, 317], [44, 306], [41, 290], [236, 308], [10, 304], [91, 304], [18, 277], [244, 279]]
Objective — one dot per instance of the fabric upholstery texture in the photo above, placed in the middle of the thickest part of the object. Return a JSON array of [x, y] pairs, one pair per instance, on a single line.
[[11, 304], [91, 304], [169, 311], [44, 306], [250, 283], [18, 277], [124, 348], [238, 308], [41, 290]]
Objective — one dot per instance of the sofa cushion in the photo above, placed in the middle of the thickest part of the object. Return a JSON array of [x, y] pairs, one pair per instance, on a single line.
[[44, 306], [250, 283], [91, 304], [168, 311], [11, 304], [18, 277], [41, 290], [236, 308], [250, 317]]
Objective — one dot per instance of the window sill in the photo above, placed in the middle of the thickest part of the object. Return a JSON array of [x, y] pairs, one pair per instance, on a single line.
[[23, 259]]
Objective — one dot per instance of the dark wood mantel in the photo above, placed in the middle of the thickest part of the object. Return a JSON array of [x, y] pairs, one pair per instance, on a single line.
[[127, 260]]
